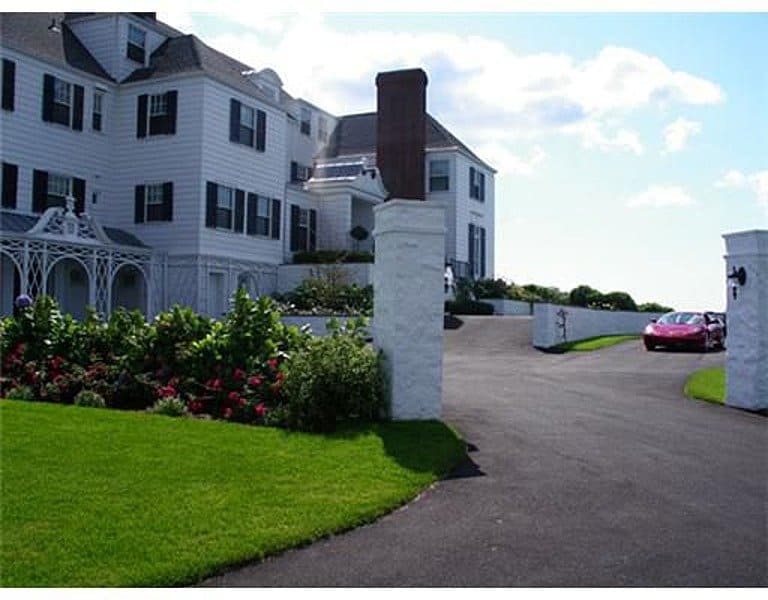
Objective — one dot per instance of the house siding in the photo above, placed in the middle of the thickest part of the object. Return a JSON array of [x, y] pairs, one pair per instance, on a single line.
[[31, 143], [98, 34], [241, 167]]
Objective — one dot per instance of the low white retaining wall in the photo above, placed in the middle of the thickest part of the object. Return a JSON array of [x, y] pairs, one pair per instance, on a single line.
[[290, 276], [583, 323], [318, 323], [509, 307]]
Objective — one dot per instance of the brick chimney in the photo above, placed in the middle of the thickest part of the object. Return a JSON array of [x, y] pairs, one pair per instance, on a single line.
[[401, 131]]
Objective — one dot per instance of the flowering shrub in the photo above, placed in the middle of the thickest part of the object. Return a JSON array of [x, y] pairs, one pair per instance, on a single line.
[[235, 369]]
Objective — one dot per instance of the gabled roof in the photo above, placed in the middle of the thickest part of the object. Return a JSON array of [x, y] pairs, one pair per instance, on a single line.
[[12, 222], [188, 54], [29, 33], [356, 134]]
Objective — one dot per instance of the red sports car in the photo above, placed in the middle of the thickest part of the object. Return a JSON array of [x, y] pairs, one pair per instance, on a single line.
[[696, 329]]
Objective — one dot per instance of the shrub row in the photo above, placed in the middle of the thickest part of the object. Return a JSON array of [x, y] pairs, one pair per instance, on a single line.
[[468, 307], [314, 257], [248, 367]]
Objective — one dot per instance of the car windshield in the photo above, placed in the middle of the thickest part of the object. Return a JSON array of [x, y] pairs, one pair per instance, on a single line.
[[681, 318]]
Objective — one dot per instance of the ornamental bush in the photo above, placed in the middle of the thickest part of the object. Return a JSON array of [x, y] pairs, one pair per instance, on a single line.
[[89, 398], [334, 378], [468, 307], [234, 368]]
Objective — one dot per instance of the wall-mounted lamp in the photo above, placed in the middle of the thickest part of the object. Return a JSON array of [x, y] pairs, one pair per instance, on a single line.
[[737, 278]]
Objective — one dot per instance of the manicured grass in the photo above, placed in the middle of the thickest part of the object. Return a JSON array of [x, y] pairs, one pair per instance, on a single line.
[[108, 498], [595, 343], [707, 384]]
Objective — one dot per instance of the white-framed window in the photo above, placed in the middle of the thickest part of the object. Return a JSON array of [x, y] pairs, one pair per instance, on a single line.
[[225, 201], [154, 202], [439, 175], [263, 206], [59, 187], [137, 42], [158, 105], [98, 110], [306, 121], [322, 129], [247, 124]]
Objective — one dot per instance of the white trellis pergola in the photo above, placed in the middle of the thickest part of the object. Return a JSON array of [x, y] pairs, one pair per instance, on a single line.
[[60, 235]]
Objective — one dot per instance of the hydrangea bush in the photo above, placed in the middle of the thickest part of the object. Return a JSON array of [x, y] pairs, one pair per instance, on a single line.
[[234, 369]]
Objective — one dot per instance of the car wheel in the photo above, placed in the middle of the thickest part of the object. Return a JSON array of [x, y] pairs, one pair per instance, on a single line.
[[649, 346]]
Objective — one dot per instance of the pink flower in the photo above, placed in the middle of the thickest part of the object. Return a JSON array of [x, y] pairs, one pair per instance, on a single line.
[[260, 409], [242, 402], [167, 391], [227, 412], [233, 396], [216, 385], [272, 362], [254, 381], [238, 374]]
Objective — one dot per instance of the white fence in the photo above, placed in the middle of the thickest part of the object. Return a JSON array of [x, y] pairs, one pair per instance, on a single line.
[[290, 276], [549, 320], [509, 307]]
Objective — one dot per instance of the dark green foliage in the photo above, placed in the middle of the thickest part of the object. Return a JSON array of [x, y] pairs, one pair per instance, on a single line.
[[468, 307], [315, 257], [328, 292], [617, 301], [89, 398], [489, 288], [333, 378], [359, 233], [584, 295]]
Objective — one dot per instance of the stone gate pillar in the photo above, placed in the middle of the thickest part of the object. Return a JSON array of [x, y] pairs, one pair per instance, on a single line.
[[747, 315], [409, 236]]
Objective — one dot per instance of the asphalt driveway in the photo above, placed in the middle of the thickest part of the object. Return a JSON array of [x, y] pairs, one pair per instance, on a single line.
[[587, 469]]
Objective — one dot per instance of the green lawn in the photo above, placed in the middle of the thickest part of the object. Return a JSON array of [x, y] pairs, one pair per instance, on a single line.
[[108, 498], [707, 384], [595, 343]]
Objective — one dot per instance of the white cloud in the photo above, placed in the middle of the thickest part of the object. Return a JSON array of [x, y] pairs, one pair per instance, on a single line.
[[480, 88], [677, 134], [508, 163], [659, 196], [756, 182]]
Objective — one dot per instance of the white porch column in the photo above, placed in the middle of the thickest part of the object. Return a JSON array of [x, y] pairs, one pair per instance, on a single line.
[[747, 342], [408, 304]]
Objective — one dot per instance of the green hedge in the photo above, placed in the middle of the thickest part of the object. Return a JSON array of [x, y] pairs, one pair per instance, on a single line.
[[468, 307], [331, 256]]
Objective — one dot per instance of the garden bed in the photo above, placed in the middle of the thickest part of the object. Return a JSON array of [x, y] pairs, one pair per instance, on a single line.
[[114, 498]]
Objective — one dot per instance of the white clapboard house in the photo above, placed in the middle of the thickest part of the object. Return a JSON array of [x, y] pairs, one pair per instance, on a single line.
[[142, 168]]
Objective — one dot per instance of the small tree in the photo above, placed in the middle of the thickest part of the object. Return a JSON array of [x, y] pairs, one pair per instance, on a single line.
[[359, 234]]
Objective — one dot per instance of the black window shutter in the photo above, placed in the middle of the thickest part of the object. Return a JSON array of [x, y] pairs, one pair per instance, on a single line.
[[261, 130], [210, 204], [482, 186], [471, 182], [172, 100], [275, 219], [141, 116], [78, 191], [138, 205], [482, 252], [239, 210], [39, 190], [10, 184], [48, 97], [9, 84], [471, 251], [168, 201], [312, 230], [234, 120], [295, 216], [294, 171], [253, 203], [77, 108]]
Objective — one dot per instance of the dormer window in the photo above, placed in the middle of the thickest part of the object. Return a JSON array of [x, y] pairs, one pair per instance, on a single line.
[[137, 40]]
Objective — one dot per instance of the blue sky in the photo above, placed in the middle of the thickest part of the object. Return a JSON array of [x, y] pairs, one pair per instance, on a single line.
[[626, 144]]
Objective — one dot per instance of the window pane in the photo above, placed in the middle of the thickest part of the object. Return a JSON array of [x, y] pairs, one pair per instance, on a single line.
[[61, 91], [155, 194], [157, 105], [58, 185], [246, 116], [263, 207], [136, 36], [224, 197], [438, 168], [224, 218], [97, 98]]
